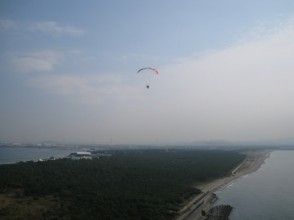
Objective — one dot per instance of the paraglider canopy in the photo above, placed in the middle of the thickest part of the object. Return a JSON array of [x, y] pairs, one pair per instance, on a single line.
[[148, 68]]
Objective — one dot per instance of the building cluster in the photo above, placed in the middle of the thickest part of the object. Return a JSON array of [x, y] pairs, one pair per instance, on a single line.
[[89, 155]]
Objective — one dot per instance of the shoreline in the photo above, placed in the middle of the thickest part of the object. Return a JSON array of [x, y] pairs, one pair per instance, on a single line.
[[204, 201]]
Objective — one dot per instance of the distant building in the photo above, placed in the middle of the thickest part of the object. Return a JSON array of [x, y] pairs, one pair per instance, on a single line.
[[87, 155], [83, 153], [80, 155]]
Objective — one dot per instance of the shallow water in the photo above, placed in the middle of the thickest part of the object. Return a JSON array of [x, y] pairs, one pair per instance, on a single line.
[[17, 154], [265, 194]]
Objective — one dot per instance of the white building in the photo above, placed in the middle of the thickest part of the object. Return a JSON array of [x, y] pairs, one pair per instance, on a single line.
[[83, 153], [80, 155]]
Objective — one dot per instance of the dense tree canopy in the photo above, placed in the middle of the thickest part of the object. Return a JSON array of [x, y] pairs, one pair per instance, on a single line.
[[130, 184]]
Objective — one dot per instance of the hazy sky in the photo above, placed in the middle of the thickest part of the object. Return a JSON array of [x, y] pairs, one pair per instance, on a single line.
[[68, 71]]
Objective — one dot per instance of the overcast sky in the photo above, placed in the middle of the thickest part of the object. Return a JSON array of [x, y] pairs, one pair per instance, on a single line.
[[68, 71]]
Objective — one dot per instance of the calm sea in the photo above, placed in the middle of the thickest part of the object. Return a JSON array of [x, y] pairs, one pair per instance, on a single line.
[[17, 154], [265, 194]]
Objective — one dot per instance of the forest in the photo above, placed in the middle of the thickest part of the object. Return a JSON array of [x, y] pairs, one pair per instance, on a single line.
[[129, 184]]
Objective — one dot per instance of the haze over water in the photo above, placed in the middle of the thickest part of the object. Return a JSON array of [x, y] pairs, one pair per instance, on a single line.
[[265, 194]]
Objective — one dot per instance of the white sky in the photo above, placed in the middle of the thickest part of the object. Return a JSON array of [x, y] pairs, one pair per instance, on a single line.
[[236, 89]]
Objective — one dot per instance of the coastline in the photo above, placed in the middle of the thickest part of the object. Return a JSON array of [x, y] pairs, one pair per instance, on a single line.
[[204, 201]]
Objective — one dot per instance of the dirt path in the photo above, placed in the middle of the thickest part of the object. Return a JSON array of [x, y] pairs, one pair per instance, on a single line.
[[204, 201]]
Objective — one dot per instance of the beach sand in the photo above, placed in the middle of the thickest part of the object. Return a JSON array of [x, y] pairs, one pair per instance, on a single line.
[[204, 201]]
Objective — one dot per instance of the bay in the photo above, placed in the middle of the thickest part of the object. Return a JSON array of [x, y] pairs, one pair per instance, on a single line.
[[17, 154], [266, 194]]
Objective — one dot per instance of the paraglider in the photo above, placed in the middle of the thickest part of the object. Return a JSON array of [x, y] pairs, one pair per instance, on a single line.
[[150, 70]]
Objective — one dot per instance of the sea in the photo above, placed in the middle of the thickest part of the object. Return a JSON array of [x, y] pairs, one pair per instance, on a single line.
[[266, 194], [17, 154]]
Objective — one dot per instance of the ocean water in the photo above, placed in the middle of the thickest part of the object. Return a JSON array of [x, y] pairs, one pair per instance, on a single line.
[[17, 154], [267, 194]]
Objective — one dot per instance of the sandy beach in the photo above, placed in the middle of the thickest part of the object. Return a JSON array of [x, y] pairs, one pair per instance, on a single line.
[[204, 201]]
